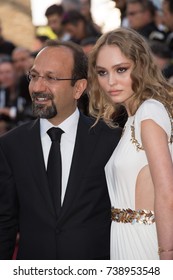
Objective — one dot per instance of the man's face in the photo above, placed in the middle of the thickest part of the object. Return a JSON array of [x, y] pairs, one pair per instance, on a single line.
[[77, 31], [53, 99], [7, 74], [54, 21], [21, 61], [137, 17]]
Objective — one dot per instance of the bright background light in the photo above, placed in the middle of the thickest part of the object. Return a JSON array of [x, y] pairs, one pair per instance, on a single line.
[[104, 13]]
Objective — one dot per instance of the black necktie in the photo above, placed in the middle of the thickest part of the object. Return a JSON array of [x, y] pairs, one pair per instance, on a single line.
[[54, 167]]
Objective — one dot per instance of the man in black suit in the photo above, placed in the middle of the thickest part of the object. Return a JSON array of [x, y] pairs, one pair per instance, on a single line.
[[81, 229]]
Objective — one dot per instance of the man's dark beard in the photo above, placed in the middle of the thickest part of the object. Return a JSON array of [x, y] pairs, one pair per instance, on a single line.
[[43, 111]]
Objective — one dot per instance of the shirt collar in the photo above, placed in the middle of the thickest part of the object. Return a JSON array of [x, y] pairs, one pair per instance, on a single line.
[[69, 125]]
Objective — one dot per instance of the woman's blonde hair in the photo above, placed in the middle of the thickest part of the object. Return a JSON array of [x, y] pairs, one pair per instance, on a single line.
[[147, 79]]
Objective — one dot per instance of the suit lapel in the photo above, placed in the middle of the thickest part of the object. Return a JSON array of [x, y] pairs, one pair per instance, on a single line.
[[83, 150], [36, 161]]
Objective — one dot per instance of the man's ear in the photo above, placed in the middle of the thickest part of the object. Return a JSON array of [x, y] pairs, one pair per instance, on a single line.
[[79, 88]]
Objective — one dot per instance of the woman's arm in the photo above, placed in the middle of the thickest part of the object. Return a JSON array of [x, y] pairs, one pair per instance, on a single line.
[[155, 143]]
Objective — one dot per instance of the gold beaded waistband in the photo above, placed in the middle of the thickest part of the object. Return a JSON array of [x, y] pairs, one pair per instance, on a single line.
[[131, 216]]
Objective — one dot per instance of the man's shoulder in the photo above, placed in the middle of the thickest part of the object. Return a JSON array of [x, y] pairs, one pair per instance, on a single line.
[[100, 126], [20, 131], [107, 129]]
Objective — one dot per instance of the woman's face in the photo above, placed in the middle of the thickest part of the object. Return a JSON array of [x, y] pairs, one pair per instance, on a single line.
[[113, 72]]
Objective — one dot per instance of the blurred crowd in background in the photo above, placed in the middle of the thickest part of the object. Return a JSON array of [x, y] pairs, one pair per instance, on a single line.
[[72, 20]]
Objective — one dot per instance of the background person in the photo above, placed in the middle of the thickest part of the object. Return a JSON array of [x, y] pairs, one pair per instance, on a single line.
[[12, 105], [163, 58], [167, 7], [54, 15], [141, 17], [78, 27]]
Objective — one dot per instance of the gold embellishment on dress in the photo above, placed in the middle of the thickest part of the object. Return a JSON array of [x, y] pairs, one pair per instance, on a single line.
[[171, 120], [134, 140], [132, 216]]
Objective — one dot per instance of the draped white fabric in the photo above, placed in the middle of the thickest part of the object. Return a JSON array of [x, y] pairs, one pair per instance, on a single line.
[[132, 241]]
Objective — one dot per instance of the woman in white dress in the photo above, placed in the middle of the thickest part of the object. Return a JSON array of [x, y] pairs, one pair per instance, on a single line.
[[140, 171]]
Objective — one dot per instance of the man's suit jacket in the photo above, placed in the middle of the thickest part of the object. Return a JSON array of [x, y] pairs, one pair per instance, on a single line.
[[82, 230]]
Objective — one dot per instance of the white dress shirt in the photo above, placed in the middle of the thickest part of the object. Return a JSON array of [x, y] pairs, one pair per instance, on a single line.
[[69, 126]]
